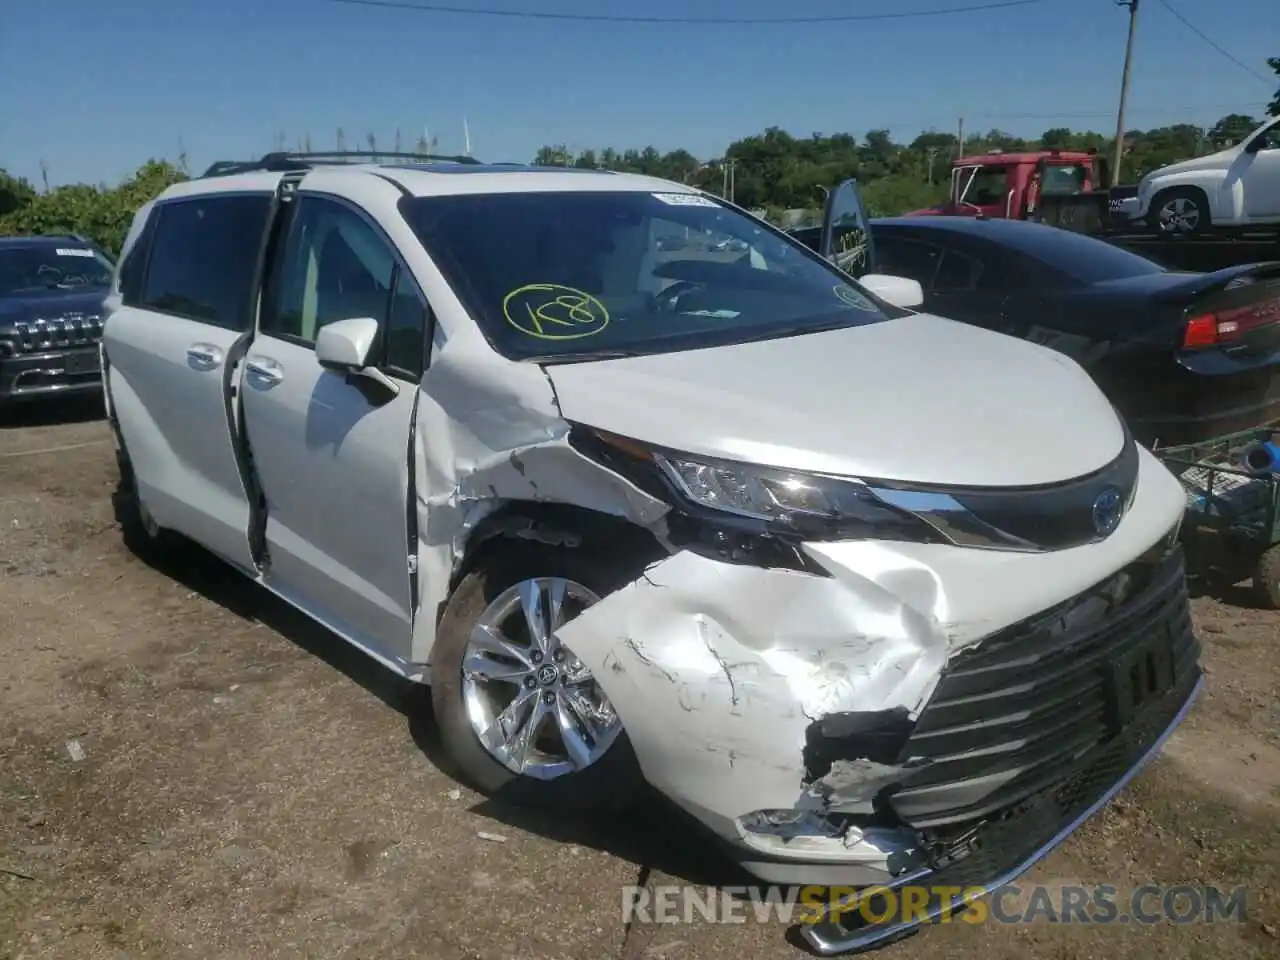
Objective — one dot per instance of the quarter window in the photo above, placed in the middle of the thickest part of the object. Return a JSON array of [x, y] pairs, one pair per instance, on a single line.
[[204, 258]]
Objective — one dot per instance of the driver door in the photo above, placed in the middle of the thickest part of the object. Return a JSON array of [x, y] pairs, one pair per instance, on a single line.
[[331, 450], [846, 231], [1261, 178]]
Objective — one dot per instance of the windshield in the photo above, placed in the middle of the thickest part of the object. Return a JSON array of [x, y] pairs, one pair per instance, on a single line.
[[583, 275], [47, 266], [980, 186]]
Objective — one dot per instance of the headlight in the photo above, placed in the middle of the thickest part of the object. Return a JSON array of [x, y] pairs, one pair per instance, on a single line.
[[778, 503], [790, 499]]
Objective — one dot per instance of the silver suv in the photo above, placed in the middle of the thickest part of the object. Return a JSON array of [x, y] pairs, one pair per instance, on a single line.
[[875, 596]]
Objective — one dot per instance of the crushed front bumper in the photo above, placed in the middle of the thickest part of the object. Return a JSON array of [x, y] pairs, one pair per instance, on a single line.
[[858, 728], [1003, 847]]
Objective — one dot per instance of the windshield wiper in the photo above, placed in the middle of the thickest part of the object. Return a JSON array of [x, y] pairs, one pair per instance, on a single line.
[[585, 357]]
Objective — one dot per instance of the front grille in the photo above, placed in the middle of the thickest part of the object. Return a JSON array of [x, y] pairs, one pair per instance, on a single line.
[[997, 848], [1017, 714], [60, 333]]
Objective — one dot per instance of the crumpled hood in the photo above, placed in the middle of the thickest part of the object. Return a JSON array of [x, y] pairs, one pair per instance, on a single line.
[[49, 304], [918, 399]]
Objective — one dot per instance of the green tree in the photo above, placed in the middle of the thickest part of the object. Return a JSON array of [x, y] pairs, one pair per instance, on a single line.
[[15, 193], [1273, 108], [102, 214], [1231, 129]]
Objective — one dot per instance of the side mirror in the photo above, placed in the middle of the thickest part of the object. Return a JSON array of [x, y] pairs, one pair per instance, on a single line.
[[900, 291], [344, 347]]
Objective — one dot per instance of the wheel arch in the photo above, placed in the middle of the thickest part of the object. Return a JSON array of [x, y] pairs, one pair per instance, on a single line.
[[1206, 192], [555, 524]]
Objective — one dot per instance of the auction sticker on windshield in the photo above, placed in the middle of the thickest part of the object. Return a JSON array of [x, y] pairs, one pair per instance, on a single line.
[[685, 200], [552, 311], [69, 252]]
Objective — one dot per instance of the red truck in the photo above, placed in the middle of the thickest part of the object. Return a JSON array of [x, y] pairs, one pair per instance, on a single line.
[[1052, 185]]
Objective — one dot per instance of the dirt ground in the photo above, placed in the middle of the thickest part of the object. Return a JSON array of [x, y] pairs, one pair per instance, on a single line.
[[250, 787]]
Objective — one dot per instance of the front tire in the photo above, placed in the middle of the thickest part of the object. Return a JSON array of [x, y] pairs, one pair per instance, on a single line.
[[520, 715], [1180, 211]]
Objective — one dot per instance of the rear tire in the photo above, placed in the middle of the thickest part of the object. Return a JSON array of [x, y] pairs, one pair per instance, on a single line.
[[139, 529], [466, 704], [1179, 211]]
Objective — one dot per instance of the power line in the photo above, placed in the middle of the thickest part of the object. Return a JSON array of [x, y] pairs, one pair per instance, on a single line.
[[1160, 110], [721, 21], [1199, 33]]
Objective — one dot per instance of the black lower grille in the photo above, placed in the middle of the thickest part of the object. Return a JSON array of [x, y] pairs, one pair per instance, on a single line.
[[1018, 713], [996, 848]]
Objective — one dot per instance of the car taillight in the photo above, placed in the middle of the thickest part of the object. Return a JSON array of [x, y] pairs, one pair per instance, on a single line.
[[1228, 326]]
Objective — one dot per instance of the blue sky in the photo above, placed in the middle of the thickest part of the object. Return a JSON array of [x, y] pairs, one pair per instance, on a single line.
[[94, 88]]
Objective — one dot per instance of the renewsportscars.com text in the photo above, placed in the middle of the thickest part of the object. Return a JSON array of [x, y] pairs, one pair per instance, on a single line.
[[1010, 904]]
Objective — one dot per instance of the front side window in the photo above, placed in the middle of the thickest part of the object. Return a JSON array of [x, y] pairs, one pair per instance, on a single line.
[[204, 258], [559, 276], [334, 266], [52, 265], [983, 186], [1269, 139]]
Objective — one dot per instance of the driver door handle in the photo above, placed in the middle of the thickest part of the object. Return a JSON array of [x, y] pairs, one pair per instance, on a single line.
[[265, 370], [204, 356]]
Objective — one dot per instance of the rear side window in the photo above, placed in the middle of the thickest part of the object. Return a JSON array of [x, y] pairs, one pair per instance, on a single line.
[[133, 268], [204, 258], [1081, 257]]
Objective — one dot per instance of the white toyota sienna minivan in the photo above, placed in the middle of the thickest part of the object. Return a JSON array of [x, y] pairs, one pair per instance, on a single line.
[[650, 492]]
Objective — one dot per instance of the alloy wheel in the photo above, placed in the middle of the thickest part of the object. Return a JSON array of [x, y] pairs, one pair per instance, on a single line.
[[1179, 215], [534, 706]]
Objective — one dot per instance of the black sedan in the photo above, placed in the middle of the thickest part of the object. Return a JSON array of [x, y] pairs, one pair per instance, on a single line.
[[1184, 356]]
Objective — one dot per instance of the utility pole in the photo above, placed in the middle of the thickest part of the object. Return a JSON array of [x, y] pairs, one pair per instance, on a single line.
[[1124, 89], [933, 152], [960, 139], [727, 172]]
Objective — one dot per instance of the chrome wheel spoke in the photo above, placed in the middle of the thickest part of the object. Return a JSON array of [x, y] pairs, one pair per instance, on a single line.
[[556, 590], [488, 668], [488, 640], [533, 605], [522, 747], [498, 736], [568, 721]]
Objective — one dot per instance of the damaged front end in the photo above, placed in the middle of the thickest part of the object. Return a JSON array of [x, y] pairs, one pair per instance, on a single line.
[[903, 688], [878, 713], [744, 715]]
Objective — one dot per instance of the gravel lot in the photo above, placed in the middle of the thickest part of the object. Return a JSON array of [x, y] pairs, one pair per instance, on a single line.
[[250, 787]]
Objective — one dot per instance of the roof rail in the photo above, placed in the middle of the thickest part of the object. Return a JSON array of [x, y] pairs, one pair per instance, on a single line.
[[284, 162]]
